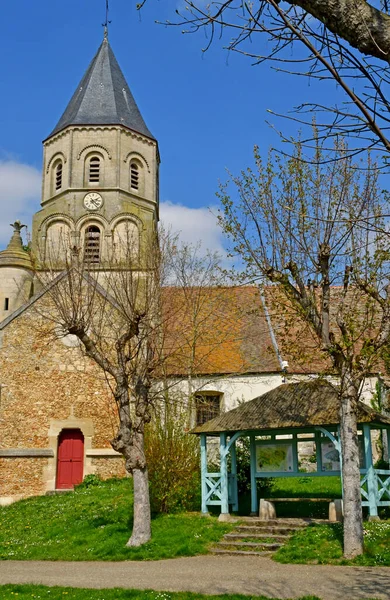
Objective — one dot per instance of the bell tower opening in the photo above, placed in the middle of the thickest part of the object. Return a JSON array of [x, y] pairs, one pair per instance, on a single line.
[[92, 244]]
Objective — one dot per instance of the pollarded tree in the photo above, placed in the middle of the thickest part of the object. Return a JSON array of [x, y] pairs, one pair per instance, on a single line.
[[122, 310], [112, 305], [304, 228]]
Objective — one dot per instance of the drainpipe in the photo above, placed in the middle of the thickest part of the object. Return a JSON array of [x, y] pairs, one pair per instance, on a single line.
[[283, 363]]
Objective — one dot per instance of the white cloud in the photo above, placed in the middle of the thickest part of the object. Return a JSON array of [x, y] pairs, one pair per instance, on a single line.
[[193, 224], [20, 188]]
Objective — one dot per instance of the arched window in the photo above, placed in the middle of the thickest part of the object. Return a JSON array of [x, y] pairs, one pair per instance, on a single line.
[[58, 242], [92, 244], [126, 242], [134, 175], [58, 176], [94, 169]]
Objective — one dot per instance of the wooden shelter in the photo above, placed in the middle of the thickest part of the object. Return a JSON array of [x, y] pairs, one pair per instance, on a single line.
[[277, 423]]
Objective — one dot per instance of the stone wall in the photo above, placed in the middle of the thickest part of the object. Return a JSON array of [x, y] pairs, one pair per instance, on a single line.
[[109, 467], [21, 475], [46, 385]]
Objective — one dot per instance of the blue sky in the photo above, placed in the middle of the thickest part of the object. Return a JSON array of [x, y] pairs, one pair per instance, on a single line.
[[206, 109]]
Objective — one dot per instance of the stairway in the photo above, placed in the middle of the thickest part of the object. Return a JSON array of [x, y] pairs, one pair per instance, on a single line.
[[257, 537]]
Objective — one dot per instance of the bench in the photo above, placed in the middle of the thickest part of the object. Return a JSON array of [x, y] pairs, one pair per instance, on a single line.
[[267, 507]]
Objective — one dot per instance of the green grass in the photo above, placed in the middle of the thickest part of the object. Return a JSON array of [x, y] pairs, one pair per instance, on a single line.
[[306, 487], [95, 523], [29, 592], [297, 487], [323, 544], [24, 592]]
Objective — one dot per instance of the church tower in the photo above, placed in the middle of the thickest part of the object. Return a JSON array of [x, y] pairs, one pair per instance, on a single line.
[[100, 173]]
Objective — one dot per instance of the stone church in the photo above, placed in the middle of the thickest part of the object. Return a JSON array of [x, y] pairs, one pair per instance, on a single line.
[[100, 186]]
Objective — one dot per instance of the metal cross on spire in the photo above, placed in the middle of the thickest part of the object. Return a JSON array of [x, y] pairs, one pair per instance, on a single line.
[[106, 22]]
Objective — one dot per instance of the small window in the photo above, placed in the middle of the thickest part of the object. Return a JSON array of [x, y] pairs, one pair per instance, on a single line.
[[6, 303], [134, 176], [59, 176], [207, 406], [94, 169], [92, 244]]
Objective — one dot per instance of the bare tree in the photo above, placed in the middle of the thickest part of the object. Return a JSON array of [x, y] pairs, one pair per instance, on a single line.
[[113, 307], [302, 227], [345, 41], [127, 309]]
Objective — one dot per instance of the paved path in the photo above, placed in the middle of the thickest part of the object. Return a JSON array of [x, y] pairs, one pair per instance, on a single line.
[[209, 574]]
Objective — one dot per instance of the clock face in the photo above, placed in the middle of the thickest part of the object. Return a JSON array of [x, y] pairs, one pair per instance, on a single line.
[[93, 201]]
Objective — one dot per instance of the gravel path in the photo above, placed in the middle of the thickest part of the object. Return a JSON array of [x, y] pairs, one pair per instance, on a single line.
[[209, 574]]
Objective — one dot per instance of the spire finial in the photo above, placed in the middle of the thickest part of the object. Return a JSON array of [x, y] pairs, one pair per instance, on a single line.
[[106, 23], [17, 226], [16, 242]]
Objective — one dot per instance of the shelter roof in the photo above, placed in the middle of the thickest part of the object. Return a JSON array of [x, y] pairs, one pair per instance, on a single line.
[[291, 405], [103, 97]]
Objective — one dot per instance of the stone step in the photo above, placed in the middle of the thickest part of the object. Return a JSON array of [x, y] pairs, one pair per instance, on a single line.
[[296, 520], [249, 545], [254, 522], [256, 536], [283, 530], [240, 552]]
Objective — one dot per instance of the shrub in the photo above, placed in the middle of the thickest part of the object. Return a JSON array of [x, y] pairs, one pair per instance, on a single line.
[[90, 481], [173, 461], [243, 457]]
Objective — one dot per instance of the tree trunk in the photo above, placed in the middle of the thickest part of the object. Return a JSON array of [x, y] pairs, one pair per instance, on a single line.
[[141, 525], [129, 441], [352, 500]]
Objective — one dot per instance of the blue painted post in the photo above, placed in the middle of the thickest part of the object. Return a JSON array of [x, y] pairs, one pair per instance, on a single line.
[[203, 470], [318, 451], [254, 506], [371, 479], [388, 442], [340, 449], [234, 477], [224, 475], [295, 453]]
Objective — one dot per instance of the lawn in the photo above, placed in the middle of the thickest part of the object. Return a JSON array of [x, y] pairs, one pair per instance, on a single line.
[[24, 592], [94, 523], [296, 487], [323, 544], [306, 487]]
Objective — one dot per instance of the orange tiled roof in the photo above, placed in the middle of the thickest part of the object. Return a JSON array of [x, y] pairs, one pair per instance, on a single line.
[[217, 331], [225, 330]]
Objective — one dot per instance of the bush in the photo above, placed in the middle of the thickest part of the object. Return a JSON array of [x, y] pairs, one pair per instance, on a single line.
[[381, 464], [243, 456], [173, 462], [90, 481]]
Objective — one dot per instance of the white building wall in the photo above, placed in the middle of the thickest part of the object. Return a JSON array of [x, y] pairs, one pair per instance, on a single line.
[[236, 389]]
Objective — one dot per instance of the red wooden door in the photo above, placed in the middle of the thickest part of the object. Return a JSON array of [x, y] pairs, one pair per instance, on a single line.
[[70, 458]]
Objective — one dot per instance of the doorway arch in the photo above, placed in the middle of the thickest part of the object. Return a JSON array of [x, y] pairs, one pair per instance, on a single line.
[[70, 459]]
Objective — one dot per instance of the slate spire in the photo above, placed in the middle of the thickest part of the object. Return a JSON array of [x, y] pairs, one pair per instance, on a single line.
[[103, 97]]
